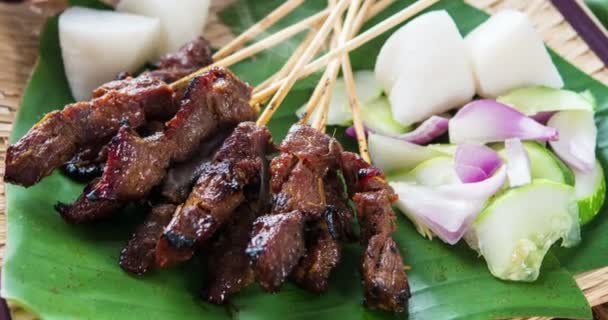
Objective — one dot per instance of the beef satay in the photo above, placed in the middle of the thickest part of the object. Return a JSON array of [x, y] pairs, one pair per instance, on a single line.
[[323, 250], [179, 179], [191, 57], [84, 210], [228, 267], [218, 191], [298, 196], [139, 255], [60, 134], [383, 274], [57, 137], [214, 100]]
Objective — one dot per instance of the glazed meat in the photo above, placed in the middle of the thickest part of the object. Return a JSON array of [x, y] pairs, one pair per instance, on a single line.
[[179, 179], [58, 136], [85, 210], [383, 275], [87, 164], [298, 196], [276, 246], [139, 256], [228, 268], [220, 188], [191, 57], [214, 100]]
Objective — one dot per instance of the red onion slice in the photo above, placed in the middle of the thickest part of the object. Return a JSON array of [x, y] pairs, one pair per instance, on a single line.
[[518, 163], [427, 131], [475, 162], [576, 145], [486, 120]]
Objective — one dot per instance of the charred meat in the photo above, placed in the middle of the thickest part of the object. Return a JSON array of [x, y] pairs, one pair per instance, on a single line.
[[191, 57], [220, 187], [139, 256]]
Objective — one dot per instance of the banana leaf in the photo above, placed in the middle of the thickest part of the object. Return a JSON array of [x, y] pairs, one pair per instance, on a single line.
[[58, 271]]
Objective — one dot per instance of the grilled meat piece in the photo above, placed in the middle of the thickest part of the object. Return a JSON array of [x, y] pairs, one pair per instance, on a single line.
[[85, 210], [276, 246], [139, 256], [214, 100], [382, 270], [384, 280], [179, 179], [59, 135], [220, 187], [87, 164], [297, 186], [189, 58], [323, 253], [228, 267]]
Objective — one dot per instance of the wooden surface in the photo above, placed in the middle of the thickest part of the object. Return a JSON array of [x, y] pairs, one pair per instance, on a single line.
[[20, 26]]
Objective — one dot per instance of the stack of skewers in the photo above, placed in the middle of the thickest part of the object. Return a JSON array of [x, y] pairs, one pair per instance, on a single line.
[[182, 140]]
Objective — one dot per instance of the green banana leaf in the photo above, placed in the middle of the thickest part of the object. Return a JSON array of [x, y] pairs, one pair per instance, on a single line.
[[58, 271], [600, 9]]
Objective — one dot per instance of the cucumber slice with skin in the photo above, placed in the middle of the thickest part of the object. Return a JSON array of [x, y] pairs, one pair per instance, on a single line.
[[517, 229], [433, 172], [378, 117], [590, 192], [391, 154], [368, 89], [532, 100], [544, 164]]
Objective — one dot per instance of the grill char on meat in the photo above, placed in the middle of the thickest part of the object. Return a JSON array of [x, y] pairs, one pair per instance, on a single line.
[[57, 137], [217, 193], [228, 267], [323, 250], [60, 134], [214, 100], [298, 196], [383, 275], [139, 256]]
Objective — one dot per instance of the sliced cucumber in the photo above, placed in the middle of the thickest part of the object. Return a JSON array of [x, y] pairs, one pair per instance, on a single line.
[[368, 89], [590, 97], [517, 229], [433, 172], [590, 192], [544, 164], [444, 148], [532, 100], [378, 116], [393, 154]]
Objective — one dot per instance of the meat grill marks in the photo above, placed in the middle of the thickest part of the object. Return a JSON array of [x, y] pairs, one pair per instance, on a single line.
[[60, 134], [218, 192], [191, 57], [55, 138], [383, 275], [298, 196], [139, 256], [228, 267]]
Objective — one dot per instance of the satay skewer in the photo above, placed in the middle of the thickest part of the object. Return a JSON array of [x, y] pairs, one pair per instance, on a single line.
[[256, 29]]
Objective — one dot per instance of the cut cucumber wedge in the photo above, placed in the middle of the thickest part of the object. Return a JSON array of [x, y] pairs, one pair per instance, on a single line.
[[517, 229], [377, 116], [368, 90], [590, 192], [532, 100], [390, 154], [544, 164], [431, 173]]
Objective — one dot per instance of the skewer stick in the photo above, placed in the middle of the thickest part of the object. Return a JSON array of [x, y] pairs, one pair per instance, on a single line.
[[354, 43], [379, 6], [290, 80], [257, 47], [256, 29], [334, 66], [290, 62]]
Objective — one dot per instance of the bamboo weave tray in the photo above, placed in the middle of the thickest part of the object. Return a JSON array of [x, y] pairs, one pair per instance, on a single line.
[[20, 25]]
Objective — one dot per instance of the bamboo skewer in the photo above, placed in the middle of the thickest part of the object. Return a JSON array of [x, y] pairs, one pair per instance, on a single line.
[[257, 47], [290, 62], [293, 76], [256, 29], [352, 44], [343, 33]]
